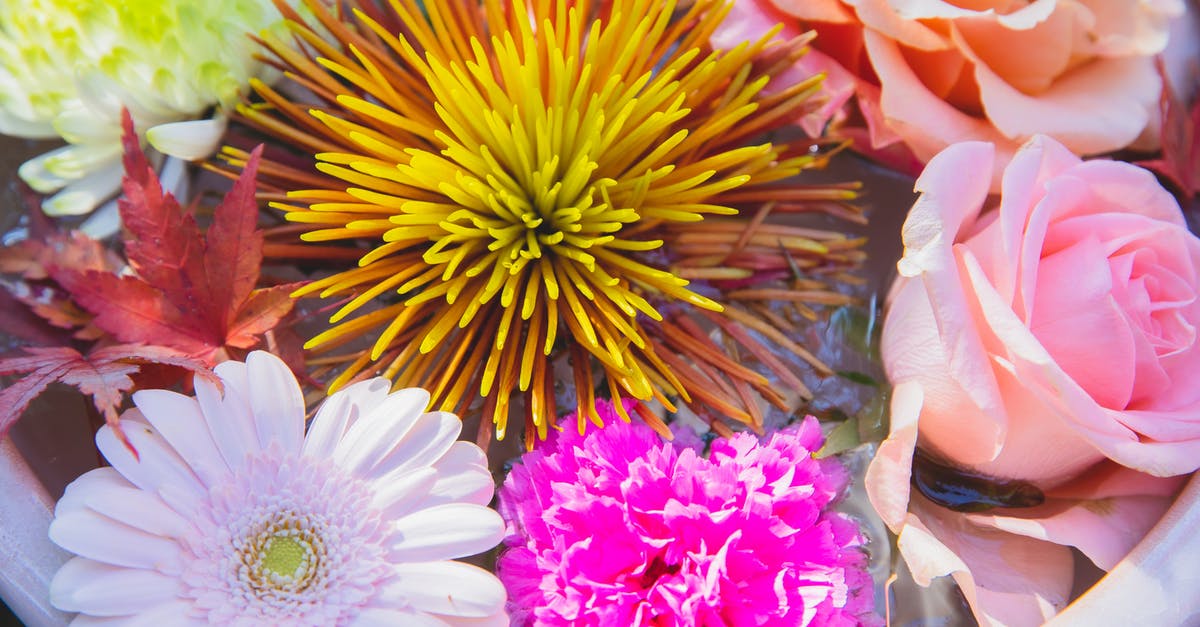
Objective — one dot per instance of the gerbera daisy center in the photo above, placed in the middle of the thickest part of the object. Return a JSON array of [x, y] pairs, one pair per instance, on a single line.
[[287, 559]]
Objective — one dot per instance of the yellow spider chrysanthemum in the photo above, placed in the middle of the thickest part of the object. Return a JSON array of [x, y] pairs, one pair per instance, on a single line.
[[531, 176]]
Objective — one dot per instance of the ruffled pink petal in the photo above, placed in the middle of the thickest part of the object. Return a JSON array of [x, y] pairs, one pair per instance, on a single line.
[[84, 585], [276, 401], [832, 11]]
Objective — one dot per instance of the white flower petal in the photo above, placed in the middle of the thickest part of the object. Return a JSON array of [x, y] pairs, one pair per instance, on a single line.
[[416, 443], [373, 436], [179, 420], [98, 537], [499, 619], [463, 477], [340, 411], [228, 415], [84, 585], [174, 613], [74, 497], [156, 462], [276, 401], [191, 140], [398, 496], [449, 588], [104, 222], [110, 494], [446, 532], [35, 174], [380, 617], [87, 193]]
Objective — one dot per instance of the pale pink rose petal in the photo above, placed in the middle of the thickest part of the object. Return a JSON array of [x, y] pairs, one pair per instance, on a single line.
[[913, 350], [1073, 306], [1030, 59], [1155, 584], [888, 477], [1117, 95], [901, 25], [832, 11], [1105, 527], [1006, 578], [1131, 28], [927, 123]]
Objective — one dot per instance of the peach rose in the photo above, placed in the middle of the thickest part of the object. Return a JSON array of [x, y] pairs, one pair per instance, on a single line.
[[1047, 336], [935, 72]]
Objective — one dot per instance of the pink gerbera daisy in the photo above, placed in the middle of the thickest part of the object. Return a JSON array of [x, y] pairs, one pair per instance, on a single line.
[[229, 514], [621, 528]]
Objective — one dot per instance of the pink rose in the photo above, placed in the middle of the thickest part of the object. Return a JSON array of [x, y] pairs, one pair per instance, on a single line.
[[934, 72], [1049, 336]]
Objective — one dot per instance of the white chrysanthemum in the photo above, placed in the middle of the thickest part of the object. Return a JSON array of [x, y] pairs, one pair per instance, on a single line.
[[230, 515], [67, 67]]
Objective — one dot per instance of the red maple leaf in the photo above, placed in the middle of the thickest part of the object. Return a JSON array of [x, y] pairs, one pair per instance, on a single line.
[[103, 374], [1180, 159], [188, 291]]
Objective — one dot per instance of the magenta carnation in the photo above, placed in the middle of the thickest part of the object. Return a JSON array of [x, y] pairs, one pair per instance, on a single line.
[[621, 528]]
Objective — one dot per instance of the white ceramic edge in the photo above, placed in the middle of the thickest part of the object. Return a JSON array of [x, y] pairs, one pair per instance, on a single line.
[[28, 560], [1158, 583]]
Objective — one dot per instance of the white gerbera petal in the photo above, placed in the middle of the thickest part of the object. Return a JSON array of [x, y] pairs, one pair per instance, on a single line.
[[123, 546], [381, 617], [229, 417], [340, 411], [375, 435], [178, 419], [447, 532], [173, 613], [448, 588], [290, 531], [463, 477], [155, 463], [276, 401], [109, 494], [107, 590]]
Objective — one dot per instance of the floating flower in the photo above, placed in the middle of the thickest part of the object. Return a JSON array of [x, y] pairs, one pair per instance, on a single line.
[[621, 528], [535, 187], [229, 514], [68, 67]]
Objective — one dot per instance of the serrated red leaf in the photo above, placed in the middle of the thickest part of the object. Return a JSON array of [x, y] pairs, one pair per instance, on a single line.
[[233, 244], [103, 374], [189, 292], [1180, 159], [261, 312]]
